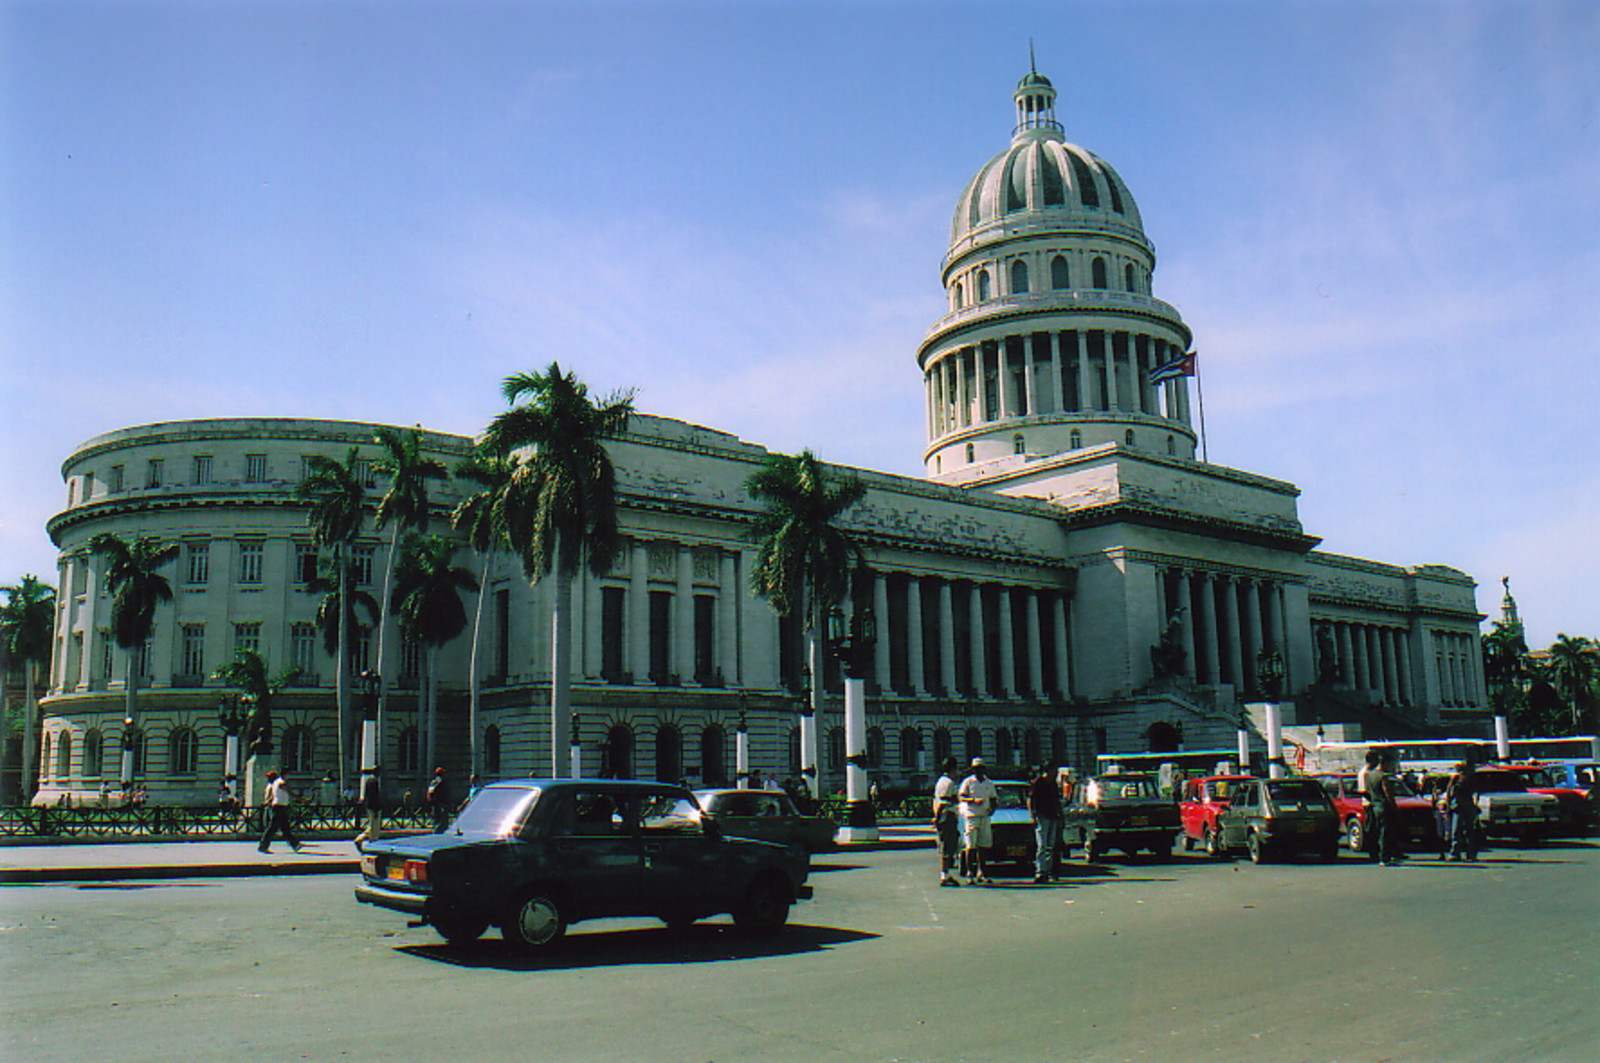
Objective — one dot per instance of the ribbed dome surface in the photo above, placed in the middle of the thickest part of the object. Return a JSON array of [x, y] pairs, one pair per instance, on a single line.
[[1040, 173]]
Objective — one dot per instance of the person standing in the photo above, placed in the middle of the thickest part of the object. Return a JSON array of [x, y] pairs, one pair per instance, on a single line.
[[279, 796], [371, 799], [1044, 805], [1462, 797], [439, 803], [947, 821], [977, 797]]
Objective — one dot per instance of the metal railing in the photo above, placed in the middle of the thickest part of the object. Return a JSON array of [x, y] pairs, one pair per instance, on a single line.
[[158, 821]]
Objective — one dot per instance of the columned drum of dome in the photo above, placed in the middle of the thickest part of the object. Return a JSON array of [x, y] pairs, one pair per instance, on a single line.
[[1052, 330]]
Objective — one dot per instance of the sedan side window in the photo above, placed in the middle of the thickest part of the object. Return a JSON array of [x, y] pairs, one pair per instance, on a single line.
[[592, 814], [665, 814]]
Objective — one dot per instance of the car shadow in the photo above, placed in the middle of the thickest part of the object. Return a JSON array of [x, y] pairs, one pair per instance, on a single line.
[[700, 943]]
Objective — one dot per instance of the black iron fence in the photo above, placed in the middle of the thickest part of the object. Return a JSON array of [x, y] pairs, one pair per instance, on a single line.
[[152, 821]]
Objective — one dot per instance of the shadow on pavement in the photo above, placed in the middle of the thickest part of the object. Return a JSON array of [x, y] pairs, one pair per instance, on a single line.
[[707, 943]]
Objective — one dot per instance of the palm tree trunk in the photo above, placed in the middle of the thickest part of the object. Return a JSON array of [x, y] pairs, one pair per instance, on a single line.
[[383, 636], [130, 706], [560, 673], [5, 727], [30, 730], [474, 683], [342, 671], [430, 710]]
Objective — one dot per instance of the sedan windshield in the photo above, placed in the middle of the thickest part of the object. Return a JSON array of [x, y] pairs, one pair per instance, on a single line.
[[497, 810], [1298, 795]]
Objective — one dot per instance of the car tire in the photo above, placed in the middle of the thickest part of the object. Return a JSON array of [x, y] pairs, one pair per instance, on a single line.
[[764, 908], [1092, 853], [1258, 851], [1188, 842], [1355, 835], [534, 922], [459, 929], [1213, 844]]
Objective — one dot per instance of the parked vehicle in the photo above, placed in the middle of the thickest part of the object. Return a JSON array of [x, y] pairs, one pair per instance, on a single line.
[[1272, 818], [1125, 812], [536, 855], [1203, 800], [1011, 826], [1507, 808], [1577, 803], [1414, 819], [766, 814]]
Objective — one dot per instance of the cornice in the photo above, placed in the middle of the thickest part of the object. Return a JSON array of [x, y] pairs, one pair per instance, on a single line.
[[1171, 520]]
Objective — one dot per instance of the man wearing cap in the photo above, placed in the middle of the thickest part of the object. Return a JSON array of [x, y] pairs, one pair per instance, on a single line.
[[977, 797]]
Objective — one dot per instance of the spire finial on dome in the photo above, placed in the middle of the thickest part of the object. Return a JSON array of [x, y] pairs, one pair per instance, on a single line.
[[1036, 99]]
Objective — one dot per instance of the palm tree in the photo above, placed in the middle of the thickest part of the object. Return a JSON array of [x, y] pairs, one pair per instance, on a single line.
[[1505, 665], [803, 559], [137, 589], [481, 518], [560, 502], [403, 507], [427, 598], [247, 673], [1573, 668], [338, 501], [27, 622], [330, 617]]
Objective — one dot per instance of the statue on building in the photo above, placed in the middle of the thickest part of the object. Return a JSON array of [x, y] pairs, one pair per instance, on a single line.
[[1167, 656]]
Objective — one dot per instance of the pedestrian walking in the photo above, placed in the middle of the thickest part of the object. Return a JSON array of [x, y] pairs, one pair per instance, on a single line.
[[1044, 806], [279, 797], [371, 799], [947, 822], [439, 803], [977, 797]]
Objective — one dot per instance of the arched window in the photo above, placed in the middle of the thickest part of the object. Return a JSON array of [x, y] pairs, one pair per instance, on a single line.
[[1002, 746], [298, 749], [910, 748], [1127, 437], [1097, 273], [874, 747], [835, 753], [983, 286], [94, 752], [46, 765], [714, 756], [183, 751], [1019, 277], [1060, 274], [1031, 748], [64, 756], [133, 739], [1127, 278], [959, 295], [619, 752], [1018, 444], [1075, 440], [971, 454], [669, 753], [1058, 747], [491, 751], [410, 755], [974, 743], [1163, 737]]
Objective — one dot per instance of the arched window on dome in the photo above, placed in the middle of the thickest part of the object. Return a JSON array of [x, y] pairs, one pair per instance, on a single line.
[[1172, 446], [1018, 444], [1075, 440], [1127, 278], [983, 285], [1127, 437], [959, 296], [1060, 274], [1019, 277], [1097, 272]]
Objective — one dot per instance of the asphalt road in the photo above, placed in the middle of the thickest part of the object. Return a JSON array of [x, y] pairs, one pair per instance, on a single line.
[[1186, 960]]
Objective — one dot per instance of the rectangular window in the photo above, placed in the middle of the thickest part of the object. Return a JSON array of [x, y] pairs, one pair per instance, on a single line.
[[88, 486], [202, 468], [199, 563], [361, 565], [410, 658], [142, 661], [255, 468], [155, 472], [250, 554], [116, 478], [361, 650], [303, 651], [247, 636], [194, 650], [305, 562], [108, 651], [705, 634], [613, 648]]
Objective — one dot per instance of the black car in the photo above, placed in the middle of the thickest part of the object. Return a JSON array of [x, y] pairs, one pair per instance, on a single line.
[[1280, 817], [535, 855], [1120, 811]]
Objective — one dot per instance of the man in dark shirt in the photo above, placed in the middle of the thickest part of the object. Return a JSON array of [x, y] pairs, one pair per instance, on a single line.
[[1044, 805]]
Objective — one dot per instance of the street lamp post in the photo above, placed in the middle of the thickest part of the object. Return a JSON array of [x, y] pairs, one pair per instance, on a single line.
[[1269, 681], [232, 717], [741, 748], [852, 643], [368, 682]]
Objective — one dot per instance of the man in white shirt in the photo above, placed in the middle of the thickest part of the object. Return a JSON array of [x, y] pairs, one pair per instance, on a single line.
[[278, 797], [977, 797], [947, 822]]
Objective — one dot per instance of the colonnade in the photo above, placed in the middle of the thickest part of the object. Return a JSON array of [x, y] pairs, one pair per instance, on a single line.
[[1372, 658], [1457, 664], [1047, 372], [1225, 621]]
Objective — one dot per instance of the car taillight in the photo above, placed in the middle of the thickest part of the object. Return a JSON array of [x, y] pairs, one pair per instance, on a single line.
[[416, 871]]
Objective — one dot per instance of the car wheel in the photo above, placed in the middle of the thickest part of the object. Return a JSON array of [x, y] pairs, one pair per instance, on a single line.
[[1330, 852], [1258, 852], [1092, 853], [764, 908], [1214, 846], [534, 922], [459, 929], [1188, 842], [1355, 836]]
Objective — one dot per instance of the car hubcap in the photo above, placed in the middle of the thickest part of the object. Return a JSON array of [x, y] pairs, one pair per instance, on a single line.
[[538, 921]]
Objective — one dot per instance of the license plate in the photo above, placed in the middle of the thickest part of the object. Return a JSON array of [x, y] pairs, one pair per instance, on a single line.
[[1140, 821], [369, 866], [1306, 828], [397, 872], [1017, 851]]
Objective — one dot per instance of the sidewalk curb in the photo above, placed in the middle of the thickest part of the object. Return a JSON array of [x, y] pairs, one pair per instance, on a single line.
[[15, 876]]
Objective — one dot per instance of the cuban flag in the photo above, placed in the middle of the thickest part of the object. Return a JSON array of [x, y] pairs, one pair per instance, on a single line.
[[1183, 365]]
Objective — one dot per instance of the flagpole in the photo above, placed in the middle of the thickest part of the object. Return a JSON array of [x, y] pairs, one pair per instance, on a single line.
[[1200, 392]]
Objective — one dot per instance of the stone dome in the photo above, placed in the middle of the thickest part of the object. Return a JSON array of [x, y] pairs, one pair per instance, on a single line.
[[1042, 179]]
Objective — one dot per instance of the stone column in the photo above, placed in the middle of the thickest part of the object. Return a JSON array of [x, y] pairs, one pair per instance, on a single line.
[[947, 639], [1184, 597], [915, 677], [1035, 602], [683, 615], [1058, 378], [1210, 653], [638, 633], [1230, 621], [1252, 629], [728, 619], [1064, 682], [592, 638], [1008, 661], [977, 647], [1080, 339]]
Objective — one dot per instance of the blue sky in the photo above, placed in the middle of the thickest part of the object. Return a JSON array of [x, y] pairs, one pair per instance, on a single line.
[[1380, 220]]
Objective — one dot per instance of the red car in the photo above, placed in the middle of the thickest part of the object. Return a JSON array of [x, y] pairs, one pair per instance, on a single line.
[[1415, 814], [1203, 799], [1577, 804]]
